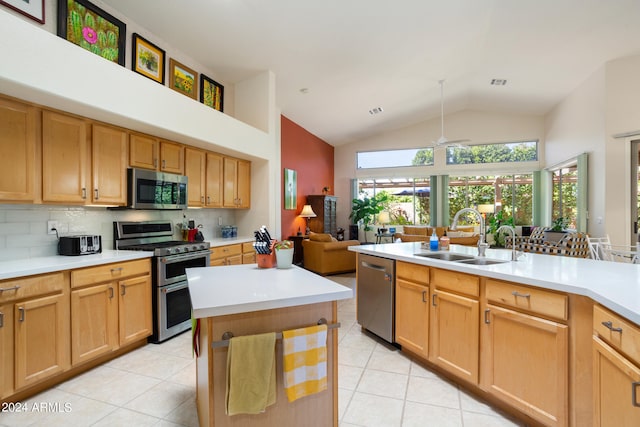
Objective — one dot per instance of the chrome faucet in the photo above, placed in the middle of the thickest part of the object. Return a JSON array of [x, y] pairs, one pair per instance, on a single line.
[[514, 252], [482, 245]]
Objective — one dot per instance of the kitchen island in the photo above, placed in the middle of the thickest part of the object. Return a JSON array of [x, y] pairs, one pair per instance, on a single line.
[[553, 340], [246, 300]]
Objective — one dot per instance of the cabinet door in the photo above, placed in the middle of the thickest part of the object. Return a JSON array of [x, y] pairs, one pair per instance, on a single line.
[[109, 166], [412, 316], [525, 363], [41, 327], [6, 350], [94, 322], [616, 388], [17, 151], [64, 158], [171, 157], [195, 170], [143, 151], [215, 180], [134, 309], [454, 334], [244, 184], [230, 195]]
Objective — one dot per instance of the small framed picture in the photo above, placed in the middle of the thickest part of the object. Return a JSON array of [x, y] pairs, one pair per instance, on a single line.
[[33, 9], [290, 189], [182, 79], [211, 93], [85, 24], [148, 59]]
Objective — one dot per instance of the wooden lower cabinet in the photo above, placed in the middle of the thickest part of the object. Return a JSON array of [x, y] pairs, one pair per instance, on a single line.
[[94, 328], [134, 309], [616, 388], [412, 308], [41, 328], [454, 337], [248, 253], [525, 363], [6, 350], [226, 255]]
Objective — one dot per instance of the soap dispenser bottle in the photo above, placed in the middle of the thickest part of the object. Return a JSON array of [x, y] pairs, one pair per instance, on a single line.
[[433, 241]]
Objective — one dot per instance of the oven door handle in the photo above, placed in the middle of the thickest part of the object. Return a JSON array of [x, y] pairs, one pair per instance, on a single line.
[[184, 257], [173, 288]]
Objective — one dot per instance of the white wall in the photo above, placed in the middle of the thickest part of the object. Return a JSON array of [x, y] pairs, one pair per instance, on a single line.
[[479, 127], [576, 126]]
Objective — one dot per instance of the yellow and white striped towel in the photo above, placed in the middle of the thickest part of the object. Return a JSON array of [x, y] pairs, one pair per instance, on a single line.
[[305, 361]]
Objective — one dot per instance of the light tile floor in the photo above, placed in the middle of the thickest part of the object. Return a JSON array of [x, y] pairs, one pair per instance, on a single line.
[[155, 386]]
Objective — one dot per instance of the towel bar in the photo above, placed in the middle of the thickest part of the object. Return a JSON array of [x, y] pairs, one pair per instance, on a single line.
[[228, 335]]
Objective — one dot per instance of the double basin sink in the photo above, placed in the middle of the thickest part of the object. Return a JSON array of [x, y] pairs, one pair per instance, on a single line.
[[458, 258]]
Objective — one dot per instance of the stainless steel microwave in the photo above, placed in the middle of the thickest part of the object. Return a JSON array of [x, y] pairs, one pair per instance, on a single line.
[[149, 189]]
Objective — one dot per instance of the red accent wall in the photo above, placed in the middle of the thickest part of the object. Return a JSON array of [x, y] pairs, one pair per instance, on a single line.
[[312, 159]]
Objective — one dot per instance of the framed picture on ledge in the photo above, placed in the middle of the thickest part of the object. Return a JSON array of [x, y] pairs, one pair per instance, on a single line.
[[33, 9], [211, 93], [85, 24], [148, 59], [182, 79]]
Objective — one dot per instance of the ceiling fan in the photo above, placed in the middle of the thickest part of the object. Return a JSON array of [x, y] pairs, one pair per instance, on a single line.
[[443, 141]]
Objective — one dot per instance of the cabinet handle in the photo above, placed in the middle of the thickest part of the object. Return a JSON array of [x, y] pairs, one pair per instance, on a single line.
[[110, 292], [433, 300], [424, 296], [202, 199], [609, 325], [84, 193], [96, 194], [634, 394], [486, 316], [518, 294], [155, 163], [116, 269], [1, 319], [164, 164], [208, 200], [123, 290], [13, 288], [22, 314]]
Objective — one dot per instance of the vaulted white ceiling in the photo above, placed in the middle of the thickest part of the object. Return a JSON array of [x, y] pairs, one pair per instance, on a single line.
[[355, 55]]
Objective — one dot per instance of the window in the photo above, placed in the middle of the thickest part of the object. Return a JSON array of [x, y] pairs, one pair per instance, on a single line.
[[408, 198], [565, 194], [395, 158], [493, 153]]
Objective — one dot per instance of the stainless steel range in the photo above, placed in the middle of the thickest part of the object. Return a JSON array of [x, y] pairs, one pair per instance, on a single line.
[[171, 302]]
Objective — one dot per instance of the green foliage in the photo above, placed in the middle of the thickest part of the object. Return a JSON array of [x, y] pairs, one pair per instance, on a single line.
[[92, 32], [284, 244], [492, 153], [423, 157], [496, 221], [366, 209], [559, 224]]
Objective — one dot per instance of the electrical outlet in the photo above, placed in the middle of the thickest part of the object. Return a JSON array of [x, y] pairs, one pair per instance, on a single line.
[[51, 225], [219, 220]]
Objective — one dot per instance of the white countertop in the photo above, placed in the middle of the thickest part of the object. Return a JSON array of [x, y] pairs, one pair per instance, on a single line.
[[50, 264], [217, 291], [219, 241], [614, 285]]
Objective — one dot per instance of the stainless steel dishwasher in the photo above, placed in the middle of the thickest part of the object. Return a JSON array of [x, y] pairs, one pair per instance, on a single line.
[[376, 295]]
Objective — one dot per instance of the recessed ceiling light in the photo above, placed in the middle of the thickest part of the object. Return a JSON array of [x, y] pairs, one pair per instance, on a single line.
[[498, 82], [304, 90], [375, 111]]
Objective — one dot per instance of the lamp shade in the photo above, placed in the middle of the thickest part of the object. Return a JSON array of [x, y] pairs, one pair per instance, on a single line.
[[384, 218], [307, 212], [486, 208]]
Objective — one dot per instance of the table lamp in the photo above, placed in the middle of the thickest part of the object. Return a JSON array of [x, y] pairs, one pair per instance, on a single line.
[[307, 213], [486, 209], [384, 219]]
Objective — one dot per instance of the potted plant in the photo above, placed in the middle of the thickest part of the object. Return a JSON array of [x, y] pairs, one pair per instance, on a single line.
[[365, 210], [496, 221], [284, 253], [557, 230]]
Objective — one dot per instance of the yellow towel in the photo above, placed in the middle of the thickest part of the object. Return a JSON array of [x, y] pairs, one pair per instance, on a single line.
[[251, 374], [305, 361]]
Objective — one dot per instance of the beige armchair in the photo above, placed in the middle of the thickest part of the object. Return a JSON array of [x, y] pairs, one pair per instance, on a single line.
[[325, 255]]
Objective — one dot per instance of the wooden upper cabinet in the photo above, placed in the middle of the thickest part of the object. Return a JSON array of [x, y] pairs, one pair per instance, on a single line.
[[143, 151], [214, 180], [109, 166], [171, 157], [237, 183], [64, 158], [244, 184], [195, 170], [18, 140]]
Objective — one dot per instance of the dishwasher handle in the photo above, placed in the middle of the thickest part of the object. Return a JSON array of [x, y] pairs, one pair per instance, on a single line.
[[388, 277]]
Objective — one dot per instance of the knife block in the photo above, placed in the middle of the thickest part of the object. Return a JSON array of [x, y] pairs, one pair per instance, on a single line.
[[267, 261]]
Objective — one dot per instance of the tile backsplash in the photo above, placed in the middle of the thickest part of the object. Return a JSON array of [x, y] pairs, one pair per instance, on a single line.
[[23, 228]]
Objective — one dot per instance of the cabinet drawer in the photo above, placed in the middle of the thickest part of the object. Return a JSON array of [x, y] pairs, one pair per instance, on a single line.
[[247, 248], [617, 331], [412, 272], [454, 281], [105, 273], [534, 300], [225, 251], [31, 286]]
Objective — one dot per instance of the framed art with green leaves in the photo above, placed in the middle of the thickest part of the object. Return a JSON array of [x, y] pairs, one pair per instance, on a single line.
[[85, 24], [148, 59], [183, 79], [211, 93]]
